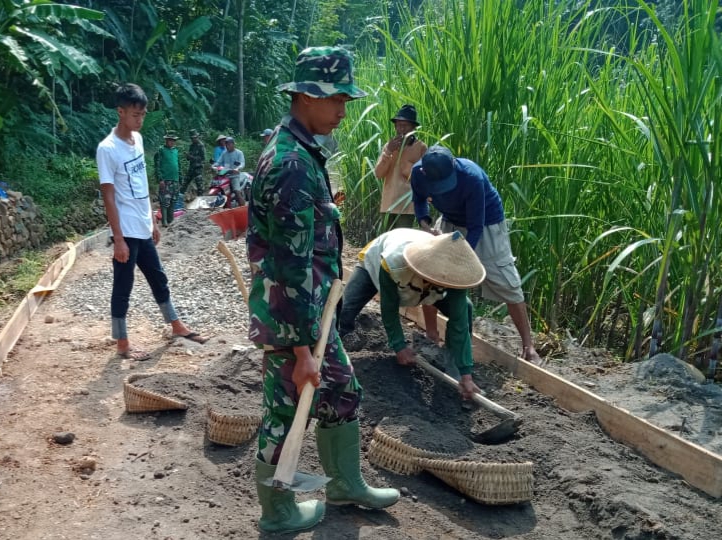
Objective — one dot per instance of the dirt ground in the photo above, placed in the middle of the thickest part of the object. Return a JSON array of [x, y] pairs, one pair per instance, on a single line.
[[156, 475]]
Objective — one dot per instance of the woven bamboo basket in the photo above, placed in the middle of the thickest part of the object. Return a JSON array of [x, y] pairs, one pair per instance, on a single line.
[[139, 400], [391, 454], [487, 483], [231, 430]]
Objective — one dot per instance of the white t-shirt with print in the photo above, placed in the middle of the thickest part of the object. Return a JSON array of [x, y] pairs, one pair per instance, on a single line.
[[123, 165]]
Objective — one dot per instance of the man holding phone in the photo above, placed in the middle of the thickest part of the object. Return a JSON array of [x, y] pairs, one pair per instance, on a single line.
[[394, 168]]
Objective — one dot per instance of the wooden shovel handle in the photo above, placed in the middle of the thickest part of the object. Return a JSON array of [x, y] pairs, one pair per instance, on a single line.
[[223, 248], [288, 461], [480, 400]]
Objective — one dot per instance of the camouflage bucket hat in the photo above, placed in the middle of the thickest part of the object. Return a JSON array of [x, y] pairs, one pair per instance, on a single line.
[[322, 72]]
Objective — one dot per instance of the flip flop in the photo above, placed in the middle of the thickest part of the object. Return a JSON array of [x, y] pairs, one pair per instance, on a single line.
[[193, 336], [134, 354]]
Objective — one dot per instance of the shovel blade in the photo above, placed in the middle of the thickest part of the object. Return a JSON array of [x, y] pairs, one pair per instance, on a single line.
[[500, 433], [301, 482]]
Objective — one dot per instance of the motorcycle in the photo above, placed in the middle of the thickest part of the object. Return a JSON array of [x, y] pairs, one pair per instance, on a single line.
[[221, 187]]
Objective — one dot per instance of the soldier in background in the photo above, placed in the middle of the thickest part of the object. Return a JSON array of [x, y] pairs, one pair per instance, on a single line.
[[196, 161], [167, 171]]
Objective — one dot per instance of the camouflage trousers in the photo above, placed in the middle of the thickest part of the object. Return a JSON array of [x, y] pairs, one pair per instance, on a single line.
[[194, 176], [335, 401], [167, 195]]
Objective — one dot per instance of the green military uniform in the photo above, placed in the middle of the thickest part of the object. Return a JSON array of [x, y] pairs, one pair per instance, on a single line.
[[196, 163], [167, 171], [294, 246]]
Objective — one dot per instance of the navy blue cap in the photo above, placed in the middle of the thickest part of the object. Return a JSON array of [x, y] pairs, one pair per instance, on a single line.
[[438, 167]]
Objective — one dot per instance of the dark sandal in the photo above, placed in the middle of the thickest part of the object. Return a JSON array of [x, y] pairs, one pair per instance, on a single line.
[[193, 336]]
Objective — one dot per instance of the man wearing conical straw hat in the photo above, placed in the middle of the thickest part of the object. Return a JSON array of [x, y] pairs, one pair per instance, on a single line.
[[408, 267]]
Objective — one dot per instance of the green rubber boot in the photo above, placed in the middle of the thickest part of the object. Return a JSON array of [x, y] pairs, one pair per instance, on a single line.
[[339, 449], [280, 511]]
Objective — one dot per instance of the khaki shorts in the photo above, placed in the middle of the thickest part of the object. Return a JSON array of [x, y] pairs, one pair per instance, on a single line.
[[503, 282]]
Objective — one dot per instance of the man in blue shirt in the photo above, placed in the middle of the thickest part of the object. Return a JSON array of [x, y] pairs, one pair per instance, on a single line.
[[468, 202]]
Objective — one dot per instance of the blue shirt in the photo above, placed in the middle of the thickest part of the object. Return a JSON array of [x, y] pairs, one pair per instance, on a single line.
[[217, 151], [473, 203]]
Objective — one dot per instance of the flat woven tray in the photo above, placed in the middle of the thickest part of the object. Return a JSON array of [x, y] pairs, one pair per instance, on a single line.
[[391, 454], [231, 430], [138, 400], [487, 483]]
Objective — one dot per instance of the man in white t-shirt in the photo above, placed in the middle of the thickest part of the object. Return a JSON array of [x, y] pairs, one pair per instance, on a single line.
[[124, 185]]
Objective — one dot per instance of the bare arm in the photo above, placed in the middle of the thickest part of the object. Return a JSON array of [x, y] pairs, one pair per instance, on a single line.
[[121, 253]]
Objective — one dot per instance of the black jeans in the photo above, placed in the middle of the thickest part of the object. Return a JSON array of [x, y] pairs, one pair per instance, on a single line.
[[358, 292], [145, 256]]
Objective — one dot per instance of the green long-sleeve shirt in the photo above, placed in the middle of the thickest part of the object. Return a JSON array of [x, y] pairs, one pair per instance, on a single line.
[[453, 305], [167, 164]]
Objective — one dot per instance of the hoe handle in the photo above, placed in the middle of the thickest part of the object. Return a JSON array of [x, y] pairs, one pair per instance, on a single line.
[[288, 462], [223, 248], [480, 400]]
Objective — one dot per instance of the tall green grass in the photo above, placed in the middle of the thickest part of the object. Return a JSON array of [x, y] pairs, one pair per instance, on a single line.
[[599, 127]]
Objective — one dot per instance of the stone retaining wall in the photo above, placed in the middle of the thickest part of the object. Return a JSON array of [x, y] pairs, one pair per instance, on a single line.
[[24, 225], [20, 225]]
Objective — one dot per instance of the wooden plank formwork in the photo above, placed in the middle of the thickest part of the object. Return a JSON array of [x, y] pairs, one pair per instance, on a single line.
[[49, 281], [697, 465]]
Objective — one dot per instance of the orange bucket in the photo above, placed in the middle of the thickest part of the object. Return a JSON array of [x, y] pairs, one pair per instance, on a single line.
[[234, 220]]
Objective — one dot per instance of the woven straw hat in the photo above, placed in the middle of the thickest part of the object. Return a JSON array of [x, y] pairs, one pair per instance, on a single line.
[[446, 260]]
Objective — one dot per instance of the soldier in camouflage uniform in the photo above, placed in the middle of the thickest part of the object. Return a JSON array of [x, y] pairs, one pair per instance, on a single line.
[[294, 250], [196, 161]]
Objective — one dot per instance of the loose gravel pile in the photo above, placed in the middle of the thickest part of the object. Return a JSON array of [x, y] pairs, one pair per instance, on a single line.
[[202, 285]]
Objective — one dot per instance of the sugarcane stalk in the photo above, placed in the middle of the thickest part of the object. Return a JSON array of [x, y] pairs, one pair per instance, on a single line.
[[662, 279], [716, 345]]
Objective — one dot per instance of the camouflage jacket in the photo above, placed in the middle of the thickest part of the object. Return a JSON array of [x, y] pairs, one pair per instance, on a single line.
[[294, 240], [196, 157]]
